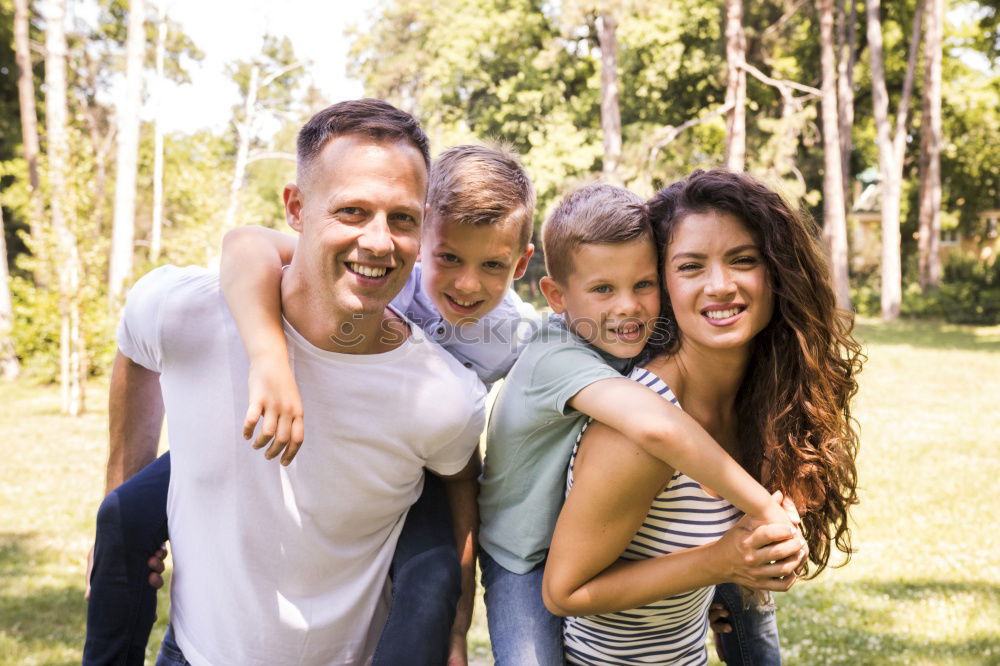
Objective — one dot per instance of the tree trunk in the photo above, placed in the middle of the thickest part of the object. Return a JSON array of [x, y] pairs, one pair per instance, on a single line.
[[890, 151], [930, 151], [243, 131], [29, 119], [834, 218], [736, 87], [611, 119], [9, 367], [123, 231], [847, 36], [157, 227], [67, 263]]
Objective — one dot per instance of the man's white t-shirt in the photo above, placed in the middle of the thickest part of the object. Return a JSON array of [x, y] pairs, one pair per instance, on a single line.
[[288, 565]]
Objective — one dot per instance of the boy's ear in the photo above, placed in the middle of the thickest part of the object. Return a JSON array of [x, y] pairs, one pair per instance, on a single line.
[[293, 206], [522, 263], [553, 294]]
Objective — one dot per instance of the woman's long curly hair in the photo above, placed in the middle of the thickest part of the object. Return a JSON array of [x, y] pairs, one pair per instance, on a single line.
[[796, 433]]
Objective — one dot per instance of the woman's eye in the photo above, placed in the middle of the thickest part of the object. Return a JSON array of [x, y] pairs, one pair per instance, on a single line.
[[688, 267], [746, 260]]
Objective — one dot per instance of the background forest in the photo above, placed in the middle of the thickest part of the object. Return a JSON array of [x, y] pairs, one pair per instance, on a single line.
[[882, 119]]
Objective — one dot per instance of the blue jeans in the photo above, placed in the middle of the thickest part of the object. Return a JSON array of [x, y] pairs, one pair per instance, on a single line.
[[131, 525], [522, 631], [426, 584], [170, 654], [754, 638]]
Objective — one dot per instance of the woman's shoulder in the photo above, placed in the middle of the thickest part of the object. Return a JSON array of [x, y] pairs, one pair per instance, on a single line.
[[648, 378]]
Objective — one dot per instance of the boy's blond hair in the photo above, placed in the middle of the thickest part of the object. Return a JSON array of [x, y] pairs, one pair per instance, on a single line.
[[482, 185], [597, 213]]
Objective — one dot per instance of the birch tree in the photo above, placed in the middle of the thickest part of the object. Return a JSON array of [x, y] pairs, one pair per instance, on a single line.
[[611, 119], [930, 150], [67, 261], [736, 87], [156, 231], [847, 38], [891, 150], [29, 118], [9, 367], [123, 231], [834, 217]]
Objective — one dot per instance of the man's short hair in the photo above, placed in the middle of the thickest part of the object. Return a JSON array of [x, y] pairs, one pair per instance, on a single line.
[[372, 118], [597, 213], [482, 185]]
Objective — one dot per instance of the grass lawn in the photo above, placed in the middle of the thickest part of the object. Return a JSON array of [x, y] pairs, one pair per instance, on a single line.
[[923, 588]]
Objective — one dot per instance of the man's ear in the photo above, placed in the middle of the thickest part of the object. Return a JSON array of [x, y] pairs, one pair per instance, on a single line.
[[522, 263], [293, 206], [554, 294]]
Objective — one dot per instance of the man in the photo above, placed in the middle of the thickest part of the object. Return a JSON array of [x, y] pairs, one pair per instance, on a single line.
[[276, 564]]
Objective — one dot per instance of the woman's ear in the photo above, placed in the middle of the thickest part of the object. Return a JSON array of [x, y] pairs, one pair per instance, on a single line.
[[554, 294]]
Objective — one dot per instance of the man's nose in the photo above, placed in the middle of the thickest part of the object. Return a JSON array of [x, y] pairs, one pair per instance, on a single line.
[[376, 238]]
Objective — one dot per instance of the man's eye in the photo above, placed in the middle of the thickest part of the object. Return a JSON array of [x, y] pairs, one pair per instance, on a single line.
[[404, 218], [351, 211]]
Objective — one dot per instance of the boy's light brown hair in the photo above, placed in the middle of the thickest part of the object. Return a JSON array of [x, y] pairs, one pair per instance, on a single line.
[[598, 213], [482, 185]]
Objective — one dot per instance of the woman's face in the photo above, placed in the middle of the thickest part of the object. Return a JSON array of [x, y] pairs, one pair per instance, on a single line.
[[715, 276]]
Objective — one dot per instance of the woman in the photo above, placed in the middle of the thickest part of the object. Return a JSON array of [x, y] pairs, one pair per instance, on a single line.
[[753, 348]]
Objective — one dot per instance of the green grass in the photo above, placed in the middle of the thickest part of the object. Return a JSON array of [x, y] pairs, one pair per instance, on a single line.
[[923, 588]]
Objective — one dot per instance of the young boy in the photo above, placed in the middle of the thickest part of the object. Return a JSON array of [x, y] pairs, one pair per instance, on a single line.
[[603, 284], [475, 242]]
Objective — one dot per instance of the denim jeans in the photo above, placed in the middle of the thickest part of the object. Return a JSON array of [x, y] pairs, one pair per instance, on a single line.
[[170, 654], [754, 638], [131, 525], [522, 631], [426, 584]]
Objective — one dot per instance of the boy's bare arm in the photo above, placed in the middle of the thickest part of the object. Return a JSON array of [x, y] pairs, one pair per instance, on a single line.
[[250, 277], [669, 434], [463, 490]]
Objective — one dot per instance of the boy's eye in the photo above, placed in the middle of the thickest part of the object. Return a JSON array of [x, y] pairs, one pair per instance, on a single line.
[[448, 258], [602, 289], [644, 284], [494, 266]]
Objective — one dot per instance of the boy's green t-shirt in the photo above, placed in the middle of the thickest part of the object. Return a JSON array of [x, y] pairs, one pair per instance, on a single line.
[[529, 442]]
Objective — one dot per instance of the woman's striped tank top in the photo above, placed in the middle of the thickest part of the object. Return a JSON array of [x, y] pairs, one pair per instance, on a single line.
[[669, 631]]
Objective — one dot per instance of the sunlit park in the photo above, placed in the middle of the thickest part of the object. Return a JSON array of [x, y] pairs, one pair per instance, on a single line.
[[137, 133]]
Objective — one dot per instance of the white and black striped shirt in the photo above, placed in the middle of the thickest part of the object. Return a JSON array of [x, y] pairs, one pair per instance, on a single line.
[[672, 630]]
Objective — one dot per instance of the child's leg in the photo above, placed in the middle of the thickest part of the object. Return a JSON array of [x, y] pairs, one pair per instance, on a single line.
[[426, 584], [131, 525], [522, 631], [754, 638]]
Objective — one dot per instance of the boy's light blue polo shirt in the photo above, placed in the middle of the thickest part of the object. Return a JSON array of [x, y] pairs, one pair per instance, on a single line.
[[529, 441], [489, 346]]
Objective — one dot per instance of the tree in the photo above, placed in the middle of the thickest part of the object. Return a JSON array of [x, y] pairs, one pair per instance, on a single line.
[[266, 81], [834, 214], [29, 119], [736, 87], [9, 367], [123, 230], [611, 119], [156, 230], [930, 151], [891, 147], [847, 37], [71, 353]]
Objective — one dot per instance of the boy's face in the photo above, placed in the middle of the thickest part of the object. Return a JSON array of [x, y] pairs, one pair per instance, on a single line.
[[611, 297], [467, 268]]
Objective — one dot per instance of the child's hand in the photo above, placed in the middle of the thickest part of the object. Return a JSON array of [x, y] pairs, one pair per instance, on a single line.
[[274, 397]]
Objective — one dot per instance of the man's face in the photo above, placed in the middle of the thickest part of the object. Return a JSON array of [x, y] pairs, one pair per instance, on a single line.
[[467, 268], [359, 210]]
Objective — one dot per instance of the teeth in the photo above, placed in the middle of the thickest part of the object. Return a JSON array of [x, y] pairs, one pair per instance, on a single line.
[[722, 314], [628, 329], [368, 271], [464, 304]]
